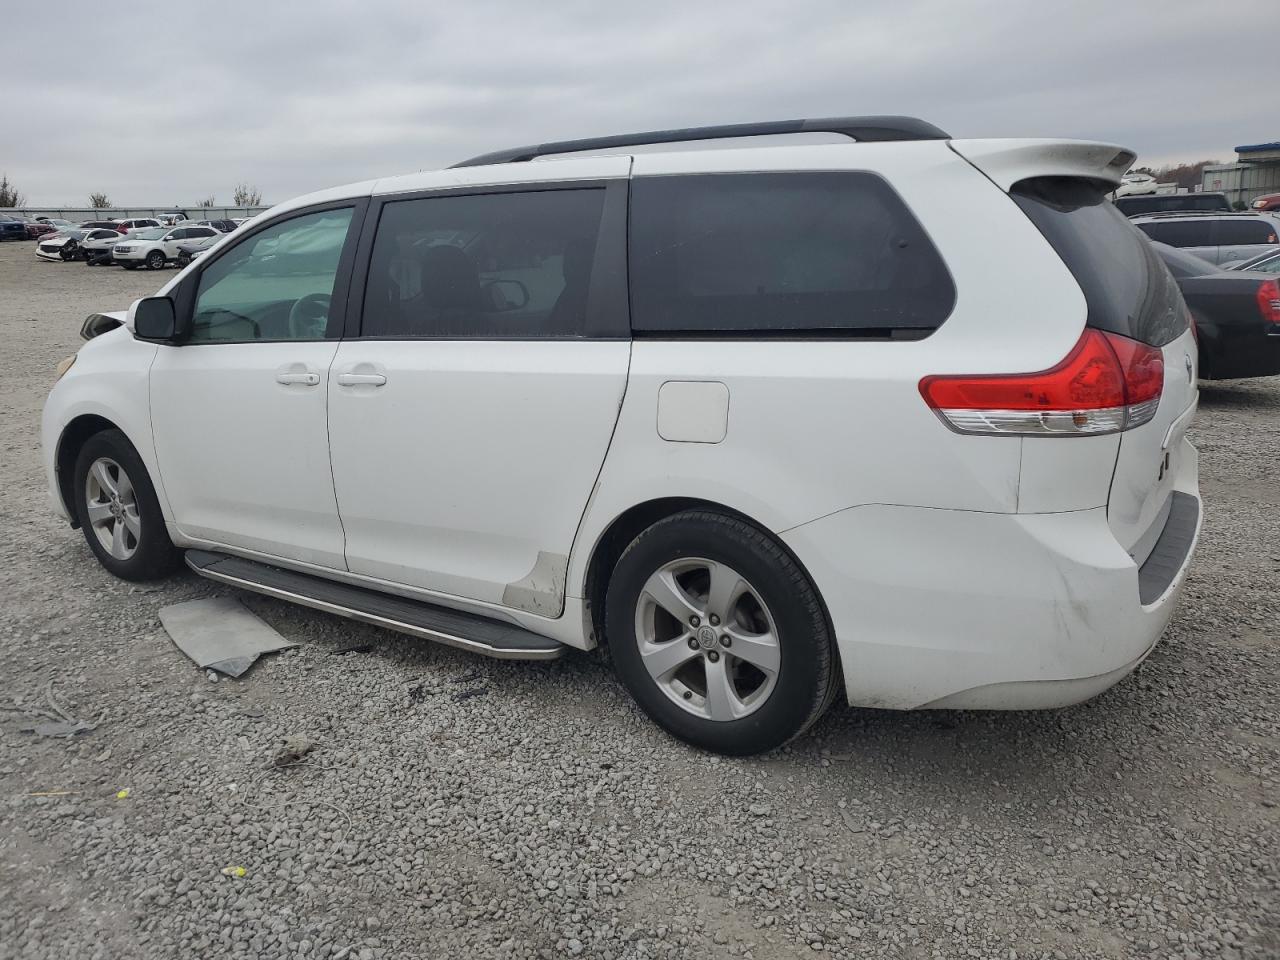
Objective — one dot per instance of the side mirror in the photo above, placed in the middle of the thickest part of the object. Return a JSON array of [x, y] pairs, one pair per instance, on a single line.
[[154, 318]]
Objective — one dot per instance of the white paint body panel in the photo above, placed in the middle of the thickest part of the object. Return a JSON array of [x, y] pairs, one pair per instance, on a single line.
[[246, 458], [475, 458]]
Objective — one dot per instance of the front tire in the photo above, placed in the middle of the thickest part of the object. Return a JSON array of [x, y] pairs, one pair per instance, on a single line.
[[118, 510], [718, 634], [155, 260]]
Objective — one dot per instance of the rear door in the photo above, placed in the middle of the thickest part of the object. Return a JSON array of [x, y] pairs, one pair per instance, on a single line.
[[469, 419], [1129, 292]]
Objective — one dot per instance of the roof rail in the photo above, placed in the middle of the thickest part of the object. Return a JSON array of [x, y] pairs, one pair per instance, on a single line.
[[856, 128]]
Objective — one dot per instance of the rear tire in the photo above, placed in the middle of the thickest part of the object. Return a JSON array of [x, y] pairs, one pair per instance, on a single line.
[[774, 677], [118, 510]]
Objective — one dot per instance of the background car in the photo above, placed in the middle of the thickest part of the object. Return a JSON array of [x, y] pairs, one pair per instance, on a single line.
[[170, 217], [96, 246], [189, 250], [1173, 203], [1237, 315], [156, 247], [143, 223], [1218, 238], [38, 228], [1263, 263], [63, 245], [1132, 184], [12, 228], [1268, 201], [98, 224], [222, 226]]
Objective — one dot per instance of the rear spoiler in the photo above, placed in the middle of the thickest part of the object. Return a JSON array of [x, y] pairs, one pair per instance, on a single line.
[[1007, 162]]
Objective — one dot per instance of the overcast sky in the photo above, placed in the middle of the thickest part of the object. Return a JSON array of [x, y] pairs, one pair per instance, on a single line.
[[159, 103]]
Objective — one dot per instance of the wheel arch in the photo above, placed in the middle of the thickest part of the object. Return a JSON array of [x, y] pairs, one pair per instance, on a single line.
[[70, 442], [627, 525]]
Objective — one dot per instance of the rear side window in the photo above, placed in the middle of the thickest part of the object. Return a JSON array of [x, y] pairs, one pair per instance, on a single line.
[[781, 254], [1240, 232], [1180, 233], [492, 266], [1126, 286]]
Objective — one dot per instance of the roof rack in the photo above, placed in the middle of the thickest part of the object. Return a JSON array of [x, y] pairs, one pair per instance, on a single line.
[[856, 128]]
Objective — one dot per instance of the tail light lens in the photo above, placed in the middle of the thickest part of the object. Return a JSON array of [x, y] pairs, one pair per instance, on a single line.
[[1269, 301], [1107, 383]]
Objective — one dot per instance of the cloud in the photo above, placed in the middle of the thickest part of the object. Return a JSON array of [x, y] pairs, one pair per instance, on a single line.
[[158, 103]]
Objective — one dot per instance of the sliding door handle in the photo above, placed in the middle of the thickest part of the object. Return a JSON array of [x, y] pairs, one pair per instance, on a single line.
[[360, 379]]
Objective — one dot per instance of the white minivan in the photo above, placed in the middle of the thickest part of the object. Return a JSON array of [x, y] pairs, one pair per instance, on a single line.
[[863, 409]]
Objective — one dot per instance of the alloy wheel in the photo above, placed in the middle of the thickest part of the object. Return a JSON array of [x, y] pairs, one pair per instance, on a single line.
[[707, 639], [112, 506]]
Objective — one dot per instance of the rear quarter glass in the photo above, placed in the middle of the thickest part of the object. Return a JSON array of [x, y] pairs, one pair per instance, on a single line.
[[1128, 289], [781, 254]]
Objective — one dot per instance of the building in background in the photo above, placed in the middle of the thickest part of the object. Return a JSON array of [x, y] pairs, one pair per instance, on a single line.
[[1255, 172]]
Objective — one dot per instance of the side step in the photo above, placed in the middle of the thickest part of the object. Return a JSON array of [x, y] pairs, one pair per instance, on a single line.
[[492, 638]]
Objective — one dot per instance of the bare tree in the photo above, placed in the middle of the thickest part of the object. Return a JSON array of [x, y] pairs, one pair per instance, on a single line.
[[9, 195], [208, 201], [99, 201], [247, 195]]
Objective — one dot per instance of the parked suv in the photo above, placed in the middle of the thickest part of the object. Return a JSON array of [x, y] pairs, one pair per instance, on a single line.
[[1218, 238], [156, 247], [1172, 203], [771, 422]]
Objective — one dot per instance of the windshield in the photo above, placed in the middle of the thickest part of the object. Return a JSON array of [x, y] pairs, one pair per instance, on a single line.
[[152, 233]]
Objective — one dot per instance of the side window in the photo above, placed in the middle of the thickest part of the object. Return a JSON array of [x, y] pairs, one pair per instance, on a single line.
[[1241, 232], [1179, 233], [487, 266], [781, 253], [274, 285], [179, 234]]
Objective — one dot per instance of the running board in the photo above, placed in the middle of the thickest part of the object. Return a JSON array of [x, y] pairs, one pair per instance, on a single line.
[[491, 638]]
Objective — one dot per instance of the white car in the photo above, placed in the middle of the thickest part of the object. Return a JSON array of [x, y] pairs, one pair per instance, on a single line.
[[1135, 184], [156, 247], [63, 245], [127, 227], [97, 245], [772, 422]]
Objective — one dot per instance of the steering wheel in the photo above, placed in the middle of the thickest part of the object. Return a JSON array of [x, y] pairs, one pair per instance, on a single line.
[[309, 316]]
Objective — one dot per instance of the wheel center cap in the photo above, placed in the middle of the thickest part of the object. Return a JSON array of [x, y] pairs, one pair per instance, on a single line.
[[706, 638]]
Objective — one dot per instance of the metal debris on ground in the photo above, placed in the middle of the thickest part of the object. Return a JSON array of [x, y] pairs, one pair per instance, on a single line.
[[295, 747], [468, 694], [468, 677], [354, 648], [58, 721], [218, 633]]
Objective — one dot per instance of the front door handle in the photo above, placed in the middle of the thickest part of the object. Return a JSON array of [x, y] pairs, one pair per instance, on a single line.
[[306, 379], [360, 379]]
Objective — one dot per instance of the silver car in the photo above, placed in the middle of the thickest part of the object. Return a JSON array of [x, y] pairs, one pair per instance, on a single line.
[[1216, 237]]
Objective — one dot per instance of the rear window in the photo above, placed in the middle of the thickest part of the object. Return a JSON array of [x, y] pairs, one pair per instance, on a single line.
[[1180, 233], [781, 254], [1242, 231], [1126, 286]]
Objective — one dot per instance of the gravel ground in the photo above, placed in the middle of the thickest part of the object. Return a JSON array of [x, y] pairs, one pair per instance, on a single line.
[[464, 807]]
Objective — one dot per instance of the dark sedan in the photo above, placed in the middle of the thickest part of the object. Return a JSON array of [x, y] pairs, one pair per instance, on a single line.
[[1237, 315], [11, 228]]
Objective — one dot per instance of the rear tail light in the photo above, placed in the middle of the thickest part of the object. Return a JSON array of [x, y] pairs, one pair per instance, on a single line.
[[1107, 383], [1269, 301]]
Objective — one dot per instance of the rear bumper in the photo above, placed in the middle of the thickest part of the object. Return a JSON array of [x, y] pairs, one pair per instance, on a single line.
[[967, 610]]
